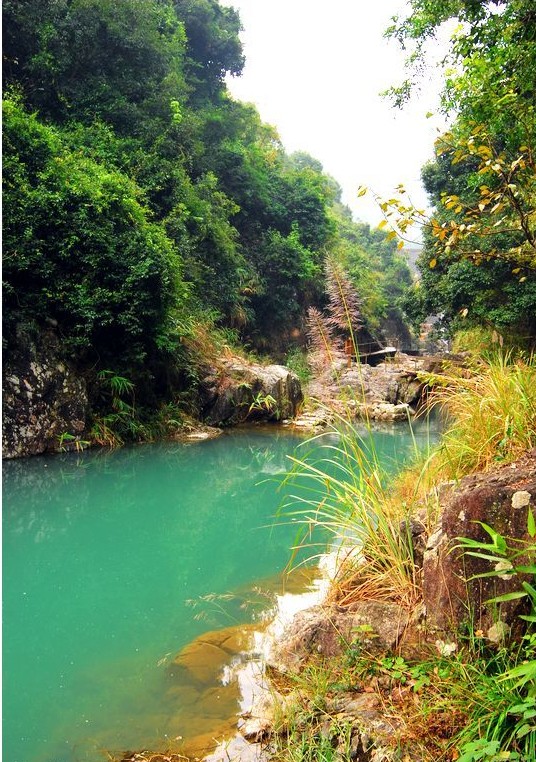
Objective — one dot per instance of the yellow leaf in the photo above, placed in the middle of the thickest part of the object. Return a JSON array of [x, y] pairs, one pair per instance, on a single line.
[[400, 245], [433, 263], [362, 190], [382, 224]]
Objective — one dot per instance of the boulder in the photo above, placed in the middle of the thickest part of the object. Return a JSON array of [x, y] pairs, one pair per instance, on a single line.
[[45, 402], [372, 626], [387, 392], [239, 392], [452, 594]]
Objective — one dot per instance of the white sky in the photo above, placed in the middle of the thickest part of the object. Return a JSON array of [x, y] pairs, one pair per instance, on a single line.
[[315, 70]]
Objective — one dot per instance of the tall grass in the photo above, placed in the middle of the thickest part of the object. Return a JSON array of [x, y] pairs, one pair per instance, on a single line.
[[348, 494], [491, 414], [344, 495]]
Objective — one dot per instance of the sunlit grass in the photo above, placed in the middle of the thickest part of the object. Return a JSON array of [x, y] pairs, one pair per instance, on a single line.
[[345, 496], [491, 414]]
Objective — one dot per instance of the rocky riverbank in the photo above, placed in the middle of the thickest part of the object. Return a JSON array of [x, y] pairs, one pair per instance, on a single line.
[[391, 391], [47, 402], [325, 635]]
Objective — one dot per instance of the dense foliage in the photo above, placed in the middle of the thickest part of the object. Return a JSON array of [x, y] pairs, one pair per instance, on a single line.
[[479, 262], [141, 199]]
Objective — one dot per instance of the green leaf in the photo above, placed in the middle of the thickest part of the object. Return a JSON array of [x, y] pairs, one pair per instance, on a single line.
[[526, 569], [507, 597], [523, 730]]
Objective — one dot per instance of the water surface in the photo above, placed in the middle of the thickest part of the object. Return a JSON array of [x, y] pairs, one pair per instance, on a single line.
[[108, 560]]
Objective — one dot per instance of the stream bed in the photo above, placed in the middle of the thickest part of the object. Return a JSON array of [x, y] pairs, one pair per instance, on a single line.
[[115, 561]]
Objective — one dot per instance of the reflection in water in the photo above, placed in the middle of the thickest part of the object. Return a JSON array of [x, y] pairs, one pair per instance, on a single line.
[[102, 552]]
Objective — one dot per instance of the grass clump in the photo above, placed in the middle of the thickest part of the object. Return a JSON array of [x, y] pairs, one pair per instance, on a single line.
[[491, 414], [344, 497]]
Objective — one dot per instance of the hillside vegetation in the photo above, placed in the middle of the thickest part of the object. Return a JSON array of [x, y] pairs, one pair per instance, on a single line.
[[145, 209]]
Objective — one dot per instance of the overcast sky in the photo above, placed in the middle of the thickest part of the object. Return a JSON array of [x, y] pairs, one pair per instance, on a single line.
[[315, 71]]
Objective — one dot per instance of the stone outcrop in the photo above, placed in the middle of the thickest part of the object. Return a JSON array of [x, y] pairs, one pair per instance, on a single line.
[[499, 499], [374, 626], [390, 391], [395, 382], [238, 392], [43, 400]]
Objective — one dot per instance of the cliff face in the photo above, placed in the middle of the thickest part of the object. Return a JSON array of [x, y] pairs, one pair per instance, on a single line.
[[43, 399]]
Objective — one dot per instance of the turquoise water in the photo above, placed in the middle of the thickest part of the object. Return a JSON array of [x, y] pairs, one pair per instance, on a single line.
[[106, 559]]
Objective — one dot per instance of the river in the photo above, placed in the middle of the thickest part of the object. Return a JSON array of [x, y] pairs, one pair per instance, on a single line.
[[113, 562]]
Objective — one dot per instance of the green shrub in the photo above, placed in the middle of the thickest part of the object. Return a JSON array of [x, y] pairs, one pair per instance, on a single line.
[[81, 251]]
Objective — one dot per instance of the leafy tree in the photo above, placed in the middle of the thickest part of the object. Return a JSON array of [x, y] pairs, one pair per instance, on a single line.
[[140, 196], [480, 248], [213, 46], [287, 274], [213, 262], [119, 60]]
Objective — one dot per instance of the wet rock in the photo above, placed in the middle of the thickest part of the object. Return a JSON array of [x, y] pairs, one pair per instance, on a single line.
[[384, 411], [205, 657], [238, 749], [500, 499], [257, 724]]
